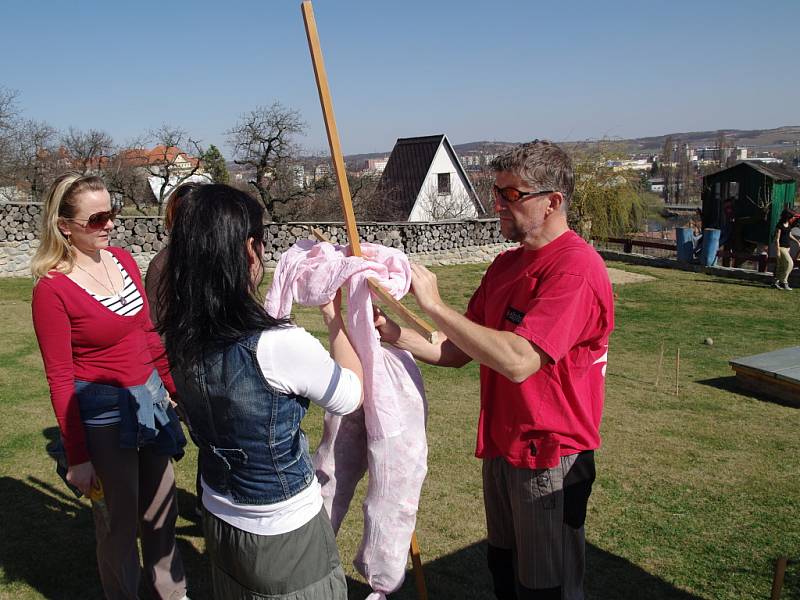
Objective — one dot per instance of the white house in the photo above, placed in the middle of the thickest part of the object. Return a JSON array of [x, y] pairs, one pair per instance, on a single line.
[[424, 181]]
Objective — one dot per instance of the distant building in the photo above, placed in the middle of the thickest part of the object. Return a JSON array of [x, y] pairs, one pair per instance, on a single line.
[[425, 181], [711, 154], [375, 165], [639, 164], [155, 183], [298, 175], [322, 171]]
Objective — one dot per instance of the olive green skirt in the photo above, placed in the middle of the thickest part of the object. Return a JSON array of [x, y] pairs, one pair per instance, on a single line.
[[300, 565]]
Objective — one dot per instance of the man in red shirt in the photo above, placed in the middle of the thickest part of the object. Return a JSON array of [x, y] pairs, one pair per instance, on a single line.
[[539, 325]]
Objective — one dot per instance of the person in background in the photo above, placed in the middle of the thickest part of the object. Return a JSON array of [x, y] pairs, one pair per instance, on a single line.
[[783, 238], [539, 325], [107, 373], [152, 285], [245, 381], [152, 278]]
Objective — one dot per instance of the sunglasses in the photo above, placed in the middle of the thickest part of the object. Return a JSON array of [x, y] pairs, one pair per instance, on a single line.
[[511, 195], [97, 220]]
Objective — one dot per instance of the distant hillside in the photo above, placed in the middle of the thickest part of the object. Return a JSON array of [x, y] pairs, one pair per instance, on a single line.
[[780, 138]]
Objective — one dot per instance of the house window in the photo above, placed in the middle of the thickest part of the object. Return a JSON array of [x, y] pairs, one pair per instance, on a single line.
[[733, 189], [443, 183]]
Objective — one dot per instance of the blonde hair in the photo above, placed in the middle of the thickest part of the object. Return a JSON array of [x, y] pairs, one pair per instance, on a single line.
[[54, 251]]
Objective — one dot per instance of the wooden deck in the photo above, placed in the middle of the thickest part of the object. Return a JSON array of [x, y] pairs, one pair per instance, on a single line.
[[774, 374]]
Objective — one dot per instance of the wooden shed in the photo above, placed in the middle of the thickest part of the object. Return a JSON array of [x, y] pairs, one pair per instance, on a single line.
[[745, 201]]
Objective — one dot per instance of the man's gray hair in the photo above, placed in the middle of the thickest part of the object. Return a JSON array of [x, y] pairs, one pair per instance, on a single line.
[[541, 164]]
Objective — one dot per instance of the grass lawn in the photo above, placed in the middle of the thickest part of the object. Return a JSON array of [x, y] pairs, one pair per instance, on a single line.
[[696, 494]]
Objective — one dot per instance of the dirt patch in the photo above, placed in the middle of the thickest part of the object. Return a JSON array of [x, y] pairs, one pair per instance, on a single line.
[[618, 277]]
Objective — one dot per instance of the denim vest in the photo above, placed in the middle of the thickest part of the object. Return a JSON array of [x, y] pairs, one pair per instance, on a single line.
[[249, 436], [146, 416]]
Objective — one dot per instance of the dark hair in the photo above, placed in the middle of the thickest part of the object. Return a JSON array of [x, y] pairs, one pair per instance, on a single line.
[[787, 215], [178, 194], [208, 297]]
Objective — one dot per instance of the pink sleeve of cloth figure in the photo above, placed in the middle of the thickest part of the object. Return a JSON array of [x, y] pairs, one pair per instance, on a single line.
[[387, 437]]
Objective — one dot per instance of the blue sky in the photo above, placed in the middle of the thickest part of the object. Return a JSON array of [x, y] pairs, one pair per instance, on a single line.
[[475, 70]]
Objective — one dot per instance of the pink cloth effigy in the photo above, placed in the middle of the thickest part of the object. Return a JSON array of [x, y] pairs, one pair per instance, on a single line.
[[387, 435]]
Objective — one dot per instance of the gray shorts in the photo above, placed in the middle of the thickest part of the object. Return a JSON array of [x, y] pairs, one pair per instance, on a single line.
[[300, 565], [534, 521]]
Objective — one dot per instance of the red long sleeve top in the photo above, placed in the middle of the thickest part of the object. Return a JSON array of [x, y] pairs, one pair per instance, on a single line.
[[81, 339]]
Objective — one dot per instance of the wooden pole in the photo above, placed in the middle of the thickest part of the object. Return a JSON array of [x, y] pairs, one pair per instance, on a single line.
[[420, 325], [330, 126], [660, 364], [777, 579], [347, 202]]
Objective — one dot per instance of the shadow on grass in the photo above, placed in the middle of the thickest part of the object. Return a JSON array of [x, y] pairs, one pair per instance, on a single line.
[[730, 384], [47, 543], [463, 574]]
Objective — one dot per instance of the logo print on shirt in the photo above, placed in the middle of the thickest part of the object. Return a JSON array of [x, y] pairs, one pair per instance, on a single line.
[[603, 360], [514, 315]]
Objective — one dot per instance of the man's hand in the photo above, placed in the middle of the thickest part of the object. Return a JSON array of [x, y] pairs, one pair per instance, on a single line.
[[81, 476], [388, 329], [425, 288]]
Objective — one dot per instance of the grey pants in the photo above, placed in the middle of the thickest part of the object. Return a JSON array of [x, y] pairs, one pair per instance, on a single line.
[[785, 264], [534, 521], [300, 565], [139, 488]]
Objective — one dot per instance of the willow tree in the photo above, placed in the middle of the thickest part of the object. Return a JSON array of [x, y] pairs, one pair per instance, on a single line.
[[607, 202]]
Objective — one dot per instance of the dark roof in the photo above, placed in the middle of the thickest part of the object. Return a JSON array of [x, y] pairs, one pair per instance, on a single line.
[[408, 166], [775, 171]]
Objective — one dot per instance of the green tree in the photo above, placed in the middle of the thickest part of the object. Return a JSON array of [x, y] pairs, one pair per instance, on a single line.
[[606, 203], [214, 163]]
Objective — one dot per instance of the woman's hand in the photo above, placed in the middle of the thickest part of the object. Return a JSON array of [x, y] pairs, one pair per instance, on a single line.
[[82, 476], [332, 309], [387, 329]]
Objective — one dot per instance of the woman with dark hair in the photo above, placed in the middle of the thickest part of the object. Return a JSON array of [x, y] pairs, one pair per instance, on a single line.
[[152, 278], [783, 240], [245, 381], [107, 373]]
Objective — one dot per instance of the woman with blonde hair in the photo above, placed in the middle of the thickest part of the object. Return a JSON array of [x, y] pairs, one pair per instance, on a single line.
[[107, 373]]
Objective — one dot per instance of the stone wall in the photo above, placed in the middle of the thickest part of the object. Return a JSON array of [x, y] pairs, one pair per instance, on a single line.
[[452, 242]]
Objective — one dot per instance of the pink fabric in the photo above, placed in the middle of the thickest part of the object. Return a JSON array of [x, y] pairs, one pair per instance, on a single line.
[[385, 437]]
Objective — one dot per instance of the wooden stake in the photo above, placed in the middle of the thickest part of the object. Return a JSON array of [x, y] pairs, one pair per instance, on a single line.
[[347, 202], [777, 579], [660, 363], [677, 368], [419, 575]]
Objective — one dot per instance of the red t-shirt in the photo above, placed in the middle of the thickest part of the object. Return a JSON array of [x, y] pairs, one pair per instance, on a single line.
[[559, 297], [82, 339]]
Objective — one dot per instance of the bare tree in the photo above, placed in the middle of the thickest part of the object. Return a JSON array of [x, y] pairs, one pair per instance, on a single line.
[[126, 177], [263, 141], [87, 149], [8, 115], [169, 163], [668, 168], [723, 149], [35, 161]]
